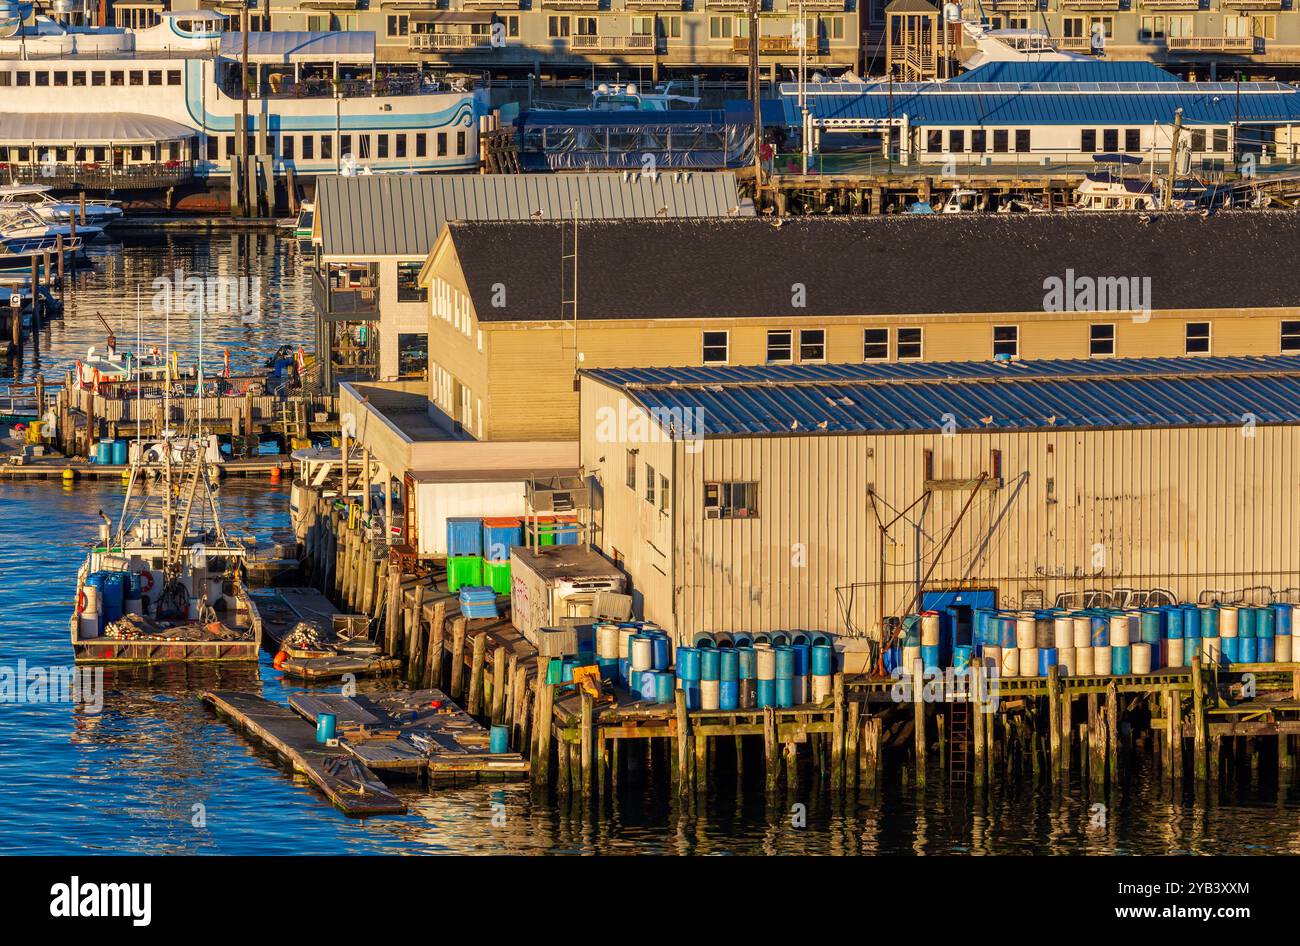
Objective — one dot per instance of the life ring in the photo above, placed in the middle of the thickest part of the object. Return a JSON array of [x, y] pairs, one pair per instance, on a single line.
[[146, 581], [280, 658], [81, 600]]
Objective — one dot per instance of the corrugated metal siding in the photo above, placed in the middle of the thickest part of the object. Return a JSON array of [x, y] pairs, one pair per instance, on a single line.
[[1186, 509], [402, 214]]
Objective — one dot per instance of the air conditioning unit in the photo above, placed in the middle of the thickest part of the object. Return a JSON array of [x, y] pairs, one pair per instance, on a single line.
[[557, 494]]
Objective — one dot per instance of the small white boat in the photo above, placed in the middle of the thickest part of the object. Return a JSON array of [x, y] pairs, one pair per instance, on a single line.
[[22, 222], [1111, 189], [627, 98], [963, 201], [42, 202], [306, 215], [111, 365]]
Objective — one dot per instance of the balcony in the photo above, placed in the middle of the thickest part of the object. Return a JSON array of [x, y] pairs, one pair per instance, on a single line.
[[1091, 4], [819, 6], [490, 5], [1253, 4], [582, 5], [1013, 5], [612, 44], [100, 176], [1172, 4], [1076, 43], [1211, 44], [346, 292], [423, 42], [727, 4], [770, 45], [665, 5]]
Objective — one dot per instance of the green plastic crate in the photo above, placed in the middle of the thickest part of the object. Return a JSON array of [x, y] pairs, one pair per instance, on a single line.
[[464, 570], [545, 532], [497, 574]]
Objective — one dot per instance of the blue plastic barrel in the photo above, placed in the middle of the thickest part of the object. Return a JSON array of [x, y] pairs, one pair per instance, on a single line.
[[1121, 660], [930, 658], [745, 656], [1265, 622], [634, 682], [325, 727], [710, 664], [663, 687], [1191, 623], [692, 691], [1231, 649], [961, 656], [1047, 657], [119, 453], [784, 691], [729, 665], [1209, 622], [1283, 615], [802, 659], [624, 670], [649, 688], [742, 639], [1149, 626], [661, 652], [780, 639], [1249, 647], [1247, 621], [1100, 631], [1267, 650], [823, 660], [1173, 623], [784, 662], [729, 695], [498, 740], [688, 663], [112, 597], [1006, 632], [766, 693], [104, 452]]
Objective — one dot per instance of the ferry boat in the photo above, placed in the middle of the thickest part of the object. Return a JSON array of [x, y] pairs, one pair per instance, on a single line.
[[167, 586], [321, 98]]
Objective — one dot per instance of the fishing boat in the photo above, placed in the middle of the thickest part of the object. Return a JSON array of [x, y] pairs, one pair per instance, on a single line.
[[1111, 189], [38, 198]]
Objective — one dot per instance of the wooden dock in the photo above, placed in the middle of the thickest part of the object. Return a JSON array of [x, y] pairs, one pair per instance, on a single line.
[[284, 607], [56, 468], [345, 781]]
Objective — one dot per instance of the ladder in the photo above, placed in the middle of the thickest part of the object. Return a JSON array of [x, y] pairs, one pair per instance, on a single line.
[[959, 742], [293, 418], [191, 473]]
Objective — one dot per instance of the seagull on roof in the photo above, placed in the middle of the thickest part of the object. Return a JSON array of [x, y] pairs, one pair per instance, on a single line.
[[1144, 218], [986, 420], [662, 212], [1052, 419], [537, 215]]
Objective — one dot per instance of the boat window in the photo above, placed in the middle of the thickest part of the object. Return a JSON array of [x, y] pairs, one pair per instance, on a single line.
[[78, 78], [155, 77], [875, 344], [421, 145], [1101, 340], [1196, 338], [96, 77], [173, 77], [909, 344], [137, 77], [60, 77], [6, 77], [42, 78], [715, 347], [1006, 340], [780, 346], [1291, 336], [117, 77], [22, 78]]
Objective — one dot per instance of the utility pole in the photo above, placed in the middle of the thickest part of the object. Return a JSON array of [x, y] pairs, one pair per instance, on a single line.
[[241, 145], [803, 88], [755, 82], [1173, 159]]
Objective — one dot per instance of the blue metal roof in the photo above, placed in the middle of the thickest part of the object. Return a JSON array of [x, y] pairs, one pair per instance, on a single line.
[[911, 397], [1087, 70], [1048, 103]]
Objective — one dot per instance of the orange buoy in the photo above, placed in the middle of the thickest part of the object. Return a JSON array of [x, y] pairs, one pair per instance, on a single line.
[[280, 658], [275, 474]]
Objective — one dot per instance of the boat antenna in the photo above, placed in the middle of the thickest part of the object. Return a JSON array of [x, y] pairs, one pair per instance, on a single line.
[[139, 398]]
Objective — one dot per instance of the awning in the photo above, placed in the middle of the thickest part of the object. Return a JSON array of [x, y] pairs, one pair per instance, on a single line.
[[88, 128], [293, 46]]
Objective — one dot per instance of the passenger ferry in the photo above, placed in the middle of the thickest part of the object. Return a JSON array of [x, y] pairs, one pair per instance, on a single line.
[[320, 100]]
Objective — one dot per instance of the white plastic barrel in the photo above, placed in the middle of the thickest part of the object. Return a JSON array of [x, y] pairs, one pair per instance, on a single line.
[[1119, 630], [625, 635], [1065, 659], [1026, 633], [800, 689], [709, 690], [821, 687], [642, 653], [765, 661], [1141, 654], [911, 656], [930, 629], [88, 625], [990, 657], [1010, 661], [1082, 631], [1063, 632], [1101, 661], [1029, 661], [1281, 648], [1083, 661], [91, 594], [1227, 621], [1174, 651], [1212, 651], [607, 641]]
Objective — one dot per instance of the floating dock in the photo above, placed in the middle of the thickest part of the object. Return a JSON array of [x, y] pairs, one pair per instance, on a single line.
[[352, 787]]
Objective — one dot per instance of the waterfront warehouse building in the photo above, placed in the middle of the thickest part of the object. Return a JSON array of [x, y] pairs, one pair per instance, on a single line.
[[752, 498], [508, 332]]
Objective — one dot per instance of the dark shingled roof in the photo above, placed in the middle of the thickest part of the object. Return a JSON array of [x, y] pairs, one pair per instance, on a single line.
[[905, 265]]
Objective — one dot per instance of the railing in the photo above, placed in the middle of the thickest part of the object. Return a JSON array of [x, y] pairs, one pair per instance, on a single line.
[[1255, 4], [727, 4], [1174, 4], [421, 41], [100, 176], [490, 4], [609, 44], [828, 6], [327, 88], [1223, 44], [654, 4], [770, 44], [343, 302], [571, 4], [1014, 4], [1091, 4], [1076, 42]]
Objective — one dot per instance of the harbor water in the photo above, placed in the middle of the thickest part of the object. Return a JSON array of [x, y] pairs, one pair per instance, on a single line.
[[153, 771]]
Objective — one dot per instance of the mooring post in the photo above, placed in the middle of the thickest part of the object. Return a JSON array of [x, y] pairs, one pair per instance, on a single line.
[[918, 722], [476, 674], [433, 652], [499, 685], [511, 694], [457, 657], [1112, 731], [700, 765], [979, 723], [852, 734], [683, 742], [520, 712], [1198, 722], [771, 759], [415, 635], [1176, 733], [545, 708], [564, 756], [587, 740], [1054, 719], [870, 759], [1096, 743], [837, 733]]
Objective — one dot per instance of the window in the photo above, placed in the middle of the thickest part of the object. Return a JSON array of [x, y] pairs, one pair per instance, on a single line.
[[363, 142], [137, 77], [398, 25], [1291, 336], [780, 346], [720, 27], [1152, 28], [1101, 340], [557, 26], [1072, 27], [663, 494], [230, 146], [173, 77], [934, 140], [1088, 141], [442, 144], [345, 145], [1103, 24], [308, 147], [670, 27], [1198, 139], [1022, 140], [1180, 26], [909, 344], [1197, 338], [286, 147], [1132, 139], [1110, 139], [399, 146], [1220, 139], [1262, 27], [60, 77], [730, 500], [421, 145], [1000, 141], [116, 77], [631, 469], [96, 77], [1006, 340], [586, 25], [460, 143], [715, 348], [875, 344], [412, 354], [383, 145], [956, 141], [327, 146], [155, 77], [43, 78], [212, 143], [978, 140], [650, 484], [408, 283], [812, 344]]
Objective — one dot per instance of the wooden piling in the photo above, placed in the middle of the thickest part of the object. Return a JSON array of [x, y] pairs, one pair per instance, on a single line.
[[772, 761], [1112, 731], [476, 674], [457, 658], [1054, 720], [870, 759], [1176, 733], [852, 732], [918, 722], [393, 600], [837, 733], [978, 727], [498, 685], [683, 742], [519, 719], [587, 737], [415, 653], [545, 707], [1198, 723]]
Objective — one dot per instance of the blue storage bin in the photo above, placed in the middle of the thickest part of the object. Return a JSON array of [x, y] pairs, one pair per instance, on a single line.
[[464, 536]]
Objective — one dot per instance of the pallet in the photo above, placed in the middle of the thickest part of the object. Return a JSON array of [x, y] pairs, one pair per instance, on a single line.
[[349, 784]]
